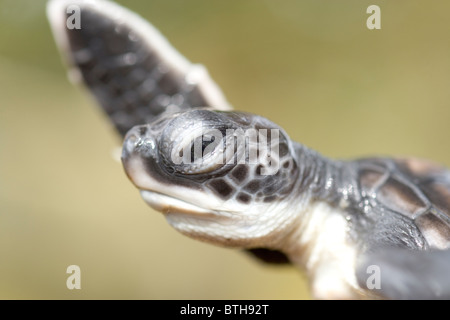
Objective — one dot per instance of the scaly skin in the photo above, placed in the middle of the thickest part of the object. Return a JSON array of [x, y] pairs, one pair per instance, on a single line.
[[332, 218]]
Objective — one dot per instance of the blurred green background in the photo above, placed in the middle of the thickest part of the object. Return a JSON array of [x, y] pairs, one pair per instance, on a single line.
[[311, 66]]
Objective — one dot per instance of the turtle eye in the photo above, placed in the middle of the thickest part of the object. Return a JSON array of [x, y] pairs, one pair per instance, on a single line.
[[208, 145], [199, 153]]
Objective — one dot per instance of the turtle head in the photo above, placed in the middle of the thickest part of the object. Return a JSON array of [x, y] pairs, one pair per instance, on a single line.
[[222, 177]]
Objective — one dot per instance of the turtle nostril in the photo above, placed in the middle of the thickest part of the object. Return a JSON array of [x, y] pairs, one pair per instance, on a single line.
[[130, 143], [132, 139], [139, 141]]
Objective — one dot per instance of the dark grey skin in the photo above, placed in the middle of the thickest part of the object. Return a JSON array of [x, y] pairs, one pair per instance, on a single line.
[[397, 210]]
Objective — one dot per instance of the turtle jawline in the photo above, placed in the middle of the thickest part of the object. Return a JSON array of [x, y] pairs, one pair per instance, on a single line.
[[168, 205]]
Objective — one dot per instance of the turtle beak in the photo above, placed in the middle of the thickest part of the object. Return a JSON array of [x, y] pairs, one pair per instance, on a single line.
[[139, 152]]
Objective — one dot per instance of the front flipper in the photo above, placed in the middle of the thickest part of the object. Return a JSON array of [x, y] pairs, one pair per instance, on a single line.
[[131, 69], [269, 256], [395, 273]]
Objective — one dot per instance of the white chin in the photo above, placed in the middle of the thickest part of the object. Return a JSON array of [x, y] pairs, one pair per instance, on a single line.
[[168, 205]]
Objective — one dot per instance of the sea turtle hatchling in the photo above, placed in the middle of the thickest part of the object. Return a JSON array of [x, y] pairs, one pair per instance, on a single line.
[[340, 221]]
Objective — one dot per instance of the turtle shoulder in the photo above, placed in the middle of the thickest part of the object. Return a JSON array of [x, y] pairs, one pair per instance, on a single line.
[[416, 189]]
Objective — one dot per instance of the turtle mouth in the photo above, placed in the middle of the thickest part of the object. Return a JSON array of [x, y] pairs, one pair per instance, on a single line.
[[170, 205]]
